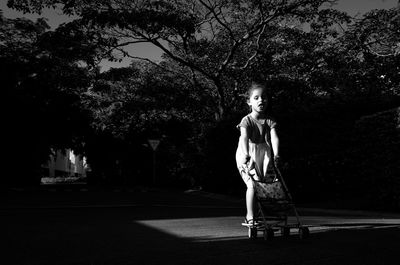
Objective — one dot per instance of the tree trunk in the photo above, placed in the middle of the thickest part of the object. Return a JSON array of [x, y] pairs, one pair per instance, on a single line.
[[221, 102]]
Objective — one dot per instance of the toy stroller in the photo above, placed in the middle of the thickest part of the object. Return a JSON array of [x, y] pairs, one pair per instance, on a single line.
[[274, 204]]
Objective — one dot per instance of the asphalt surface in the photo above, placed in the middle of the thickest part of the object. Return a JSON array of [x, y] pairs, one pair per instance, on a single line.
[[153, 226]]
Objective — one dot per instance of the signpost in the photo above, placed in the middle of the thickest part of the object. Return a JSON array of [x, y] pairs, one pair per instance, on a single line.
[[154, 144]]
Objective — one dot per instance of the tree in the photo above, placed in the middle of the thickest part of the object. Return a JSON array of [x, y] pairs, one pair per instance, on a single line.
[[325, 69], [378, 41], [42, 87], [209, 38], [143, 101]]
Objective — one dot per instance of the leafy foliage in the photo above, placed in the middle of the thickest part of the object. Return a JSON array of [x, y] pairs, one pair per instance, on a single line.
[[324, 68], [42, 91], [208, 37]]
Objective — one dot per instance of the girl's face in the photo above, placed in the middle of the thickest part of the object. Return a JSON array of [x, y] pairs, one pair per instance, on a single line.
[[258, 100]]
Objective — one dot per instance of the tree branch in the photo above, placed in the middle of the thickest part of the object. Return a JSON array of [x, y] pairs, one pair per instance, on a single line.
[[153, 63], [216, 16], [256, 29], [256, 51], [173, 56]]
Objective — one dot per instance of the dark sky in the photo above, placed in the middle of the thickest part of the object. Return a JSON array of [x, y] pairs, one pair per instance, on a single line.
[[353, 7]]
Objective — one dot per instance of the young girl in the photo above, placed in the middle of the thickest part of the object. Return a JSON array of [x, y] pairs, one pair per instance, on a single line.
[[257, 134]]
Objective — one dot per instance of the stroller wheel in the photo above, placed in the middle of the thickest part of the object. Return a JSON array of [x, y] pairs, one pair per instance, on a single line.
[[268, 234], [304, 232], [285, 231], [252, 232]]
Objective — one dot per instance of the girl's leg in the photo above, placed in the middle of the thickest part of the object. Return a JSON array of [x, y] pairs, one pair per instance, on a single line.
[[250, 203]]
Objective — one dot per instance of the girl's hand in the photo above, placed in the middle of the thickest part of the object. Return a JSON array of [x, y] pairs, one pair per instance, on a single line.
[[277, 162], [247, 159], [247, 163], [244, 160], [251, 164]]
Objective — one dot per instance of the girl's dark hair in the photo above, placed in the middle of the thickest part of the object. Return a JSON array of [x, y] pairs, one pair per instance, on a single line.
[[258, 85], [253, 86]]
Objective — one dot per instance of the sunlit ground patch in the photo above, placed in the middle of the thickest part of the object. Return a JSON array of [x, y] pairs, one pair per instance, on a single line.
[[230, 228]]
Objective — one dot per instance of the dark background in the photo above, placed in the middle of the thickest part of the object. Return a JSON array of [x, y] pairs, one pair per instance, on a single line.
[[335, 96]]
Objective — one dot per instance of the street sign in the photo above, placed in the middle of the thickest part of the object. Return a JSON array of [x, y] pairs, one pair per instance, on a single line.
[[154, 143]]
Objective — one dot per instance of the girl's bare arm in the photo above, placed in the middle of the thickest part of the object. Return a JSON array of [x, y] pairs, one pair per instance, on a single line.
[[275, 142], [244, 144]]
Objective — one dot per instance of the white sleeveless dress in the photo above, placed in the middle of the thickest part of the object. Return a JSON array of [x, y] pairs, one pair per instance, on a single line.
[[260, 150]]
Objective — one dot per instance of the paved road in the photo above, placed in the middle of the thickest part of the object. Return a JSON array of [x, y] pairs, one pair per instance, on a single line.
[[172, 227]]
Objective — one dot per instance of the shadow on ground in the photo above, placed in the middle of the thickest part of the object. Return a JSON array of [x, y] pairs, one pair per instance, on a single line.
[[130, 235]]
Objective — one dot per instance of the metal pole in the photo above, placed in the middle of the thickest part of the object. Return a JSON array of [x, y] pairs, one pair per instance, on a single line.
[[154, 167], [153, 143]]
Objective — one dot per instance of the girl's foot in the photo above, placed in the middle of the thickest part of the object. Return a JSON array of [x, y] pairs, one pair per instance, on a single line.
[[249, 222]]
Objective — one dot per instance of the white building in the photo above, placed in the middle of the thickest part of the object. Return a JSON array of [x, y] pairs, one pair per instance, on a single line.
[[64, 166]]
